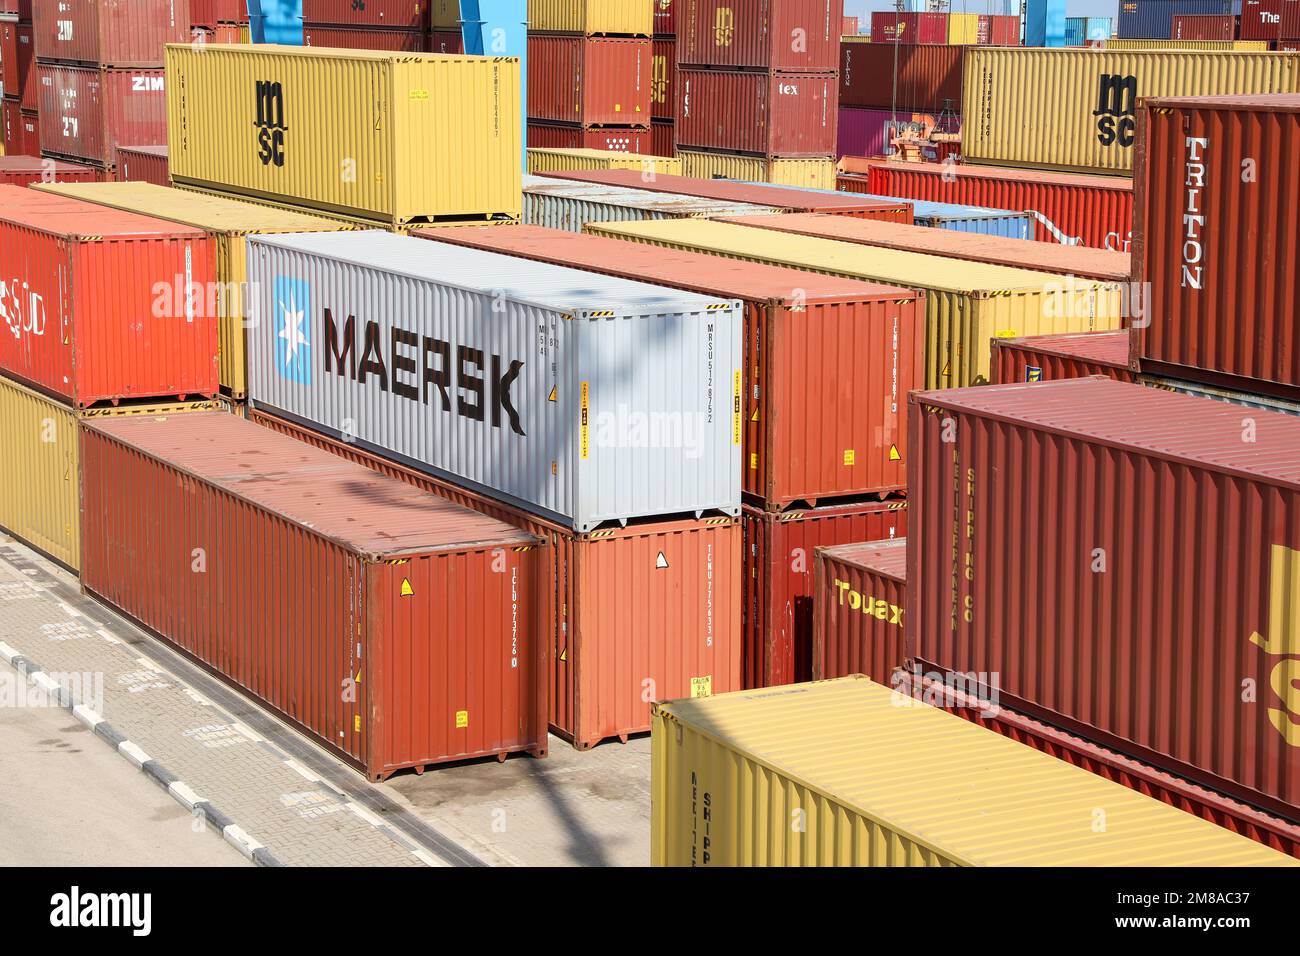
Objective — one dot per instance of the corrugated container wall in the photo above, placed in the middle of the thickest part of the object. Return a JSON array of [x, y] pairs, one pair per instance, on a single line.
[[1221, 46], [663, 79], [362, 38], [102, 33], [592, 17], [1154, 19], [621, 139], [89, 112], [916, 28], [1045, 358], [1115, 627], [765, 114], [406, 131], [875, 784], [816, 173], [927, 78], [1192, 27], [23, 170], [590, 81], [143, 164], [665, 17], [786, 35], [18, 59], [391, 14], [859, 600], [1270, 19], [556, 204], [211, 13], [663, 137], [866, 132], [573, 160]]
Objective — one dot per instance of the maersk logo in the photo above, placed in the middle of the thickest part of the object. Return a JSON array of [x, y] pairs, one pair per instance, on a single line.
[[293, 329]]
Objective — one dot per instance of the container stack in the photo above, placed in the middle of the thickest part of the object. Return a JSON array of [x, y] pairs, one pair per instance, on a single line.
[[22, 100], [399, 26], [663, 80], [1087, 31], [1277, 21], [445, 34], [219, 21], [939, 28], [1154, 19]]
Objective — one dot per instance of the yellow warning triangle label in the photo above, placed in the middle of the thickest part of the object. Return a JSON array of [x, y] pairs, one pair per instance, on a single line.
[[754, 417], [407, 590], [893, 453], [553, 396], [564, 654], [946, 373], [358, 677]]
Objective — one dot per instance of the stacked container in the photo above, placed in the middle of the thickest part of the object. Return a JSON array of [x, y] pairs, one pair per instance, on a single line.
[[219, 21], [663, 79], [1203, 27], [143, 164], [1274, 20], [1154, 19], [21, 106], [399, 26]]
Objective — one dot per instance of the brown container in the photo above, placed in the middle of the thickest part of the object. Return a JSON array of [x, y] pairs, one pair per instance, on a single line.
[[859, 601], [793, 200], [903, 76], [364, 38], [23, 170], [812, 343], [665, 23], [623, 139], [393, 627], [1188, 26], [18, 63], [447, 41], [21, 130], [760, 114], [788, 35], [1123, 562], [214, 13], [589, 81], [1220, 249], [29, 127], [780, 550], [1046, 358], [108, 33], [663, 78], [389, 14], [1270, 20], [143, 164], [663, 138], [87, 112], [647, 612]]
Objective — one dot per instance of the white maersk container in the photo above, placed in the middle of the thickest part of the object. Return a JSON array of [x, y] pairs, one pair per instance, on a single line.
[[569, 204], [582, 398]]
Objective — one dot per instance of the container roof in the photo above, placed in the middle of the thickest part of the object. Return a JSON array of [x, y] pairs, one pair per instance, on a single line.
[[887, 558], [642, 199], [38, 164], [924, 208], [852, 165], [1258, 102], [73, 219], [280, 49], [1103, 348]]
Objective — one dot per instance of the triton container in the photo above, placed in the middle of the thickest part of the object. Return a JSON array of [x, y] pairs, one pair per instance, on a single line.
[[967, 303], [561, 204], [764, 114], [1172, 564], [760, 34], [878, 784], [589, 81], [583, 399], [393, 138], [320, 575], [143, 164], [901, 76], [859, 600], [87, 112], [101, 305], [25, 170], [565, 161], [109, 33], [1043, 358], [833, 344], [591, 17]]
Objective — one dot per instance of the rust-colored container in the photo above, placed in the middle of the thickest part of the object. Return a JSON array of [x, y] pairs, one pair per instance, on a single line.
[[812, 343], [589, 81], [18, 62], [100, 33], [1220, 248], [1188, 26], [363, 38], [859, 599], [998, 30], [665, 24], [143, 164], [21, 130], [101, 305], [762, 114], [1045, 358], [393, 627], [22, 170], [663, 78], [1094, 211], [1270, 19], [915, 28], [29, 127], [647, 612], [87, 112], [447, 41], [787, 35], [794, 200], [903, 76], [214, 13], [623, 139], [221, 33], [663, 138], [1124, 561], [780, 551], [391, 14]]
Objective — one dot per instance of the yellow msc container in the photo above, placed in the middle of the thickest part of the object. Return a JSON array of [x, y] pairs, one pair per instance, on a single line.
[[229, 221], [1074, 109], [812, 173], [849, 773], [967, 304], [1254, 46], [40, 466], [558, 160], [393, 138], [963, 29], [591, 17]]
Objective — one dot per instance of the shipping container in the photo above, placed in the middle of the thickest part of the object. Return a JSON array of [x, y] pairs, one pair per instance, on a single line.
[[818, 173], [1086, 31], [445, 15], [214, 13], [1076, 109], [876, 784], [665, 17], [850, 26], [590, 81], [29, 123], [1154, 19], [22, 132], [364, 38], [221, 33], [952, 244], [542, 161], [618, 139], [23, 170], [584, 399], [591, 17], [901, 76], [89, 112], [1220, 259], [917, 28], [1203, 46], [663, 78], [867, 132], [859, 599], [772, 115], [974, 220], [1225, 395], [447, 41], [22, 9], [254, 120], [1202, 27], [1094, 211], [1270, 19], [311, 584], [98, 33], [782, 35], [392, 14], [143, 164], [663, 138], [999, 30], [1045, 358], [105, 305], [963, 28], [560, 204], [834, 343], [1196, 532], [18, 61], [40, 470]]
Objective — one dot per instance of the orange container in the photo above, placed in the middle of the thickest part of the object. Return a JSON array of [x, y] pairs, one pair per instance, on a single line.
[[589, 81], [859, 602]]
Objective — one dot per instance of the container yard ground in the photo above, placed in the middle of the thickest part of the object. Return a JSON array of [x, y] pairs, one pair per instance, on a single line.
[[303, 806]]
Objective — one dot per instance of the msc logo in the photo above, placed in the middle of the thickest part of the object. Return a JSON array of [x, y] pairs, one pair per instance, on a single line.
[[724, 26], [1116, 101], [1033, 373], [21, 310], [1283, 641], [659, 79], [292, 330], [270, 123]]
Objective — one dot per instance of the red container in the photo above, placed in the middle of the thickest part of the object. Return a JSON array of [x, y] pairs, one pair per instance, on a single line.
[[666, 17], [663, 79], [95, 302], [25, 169], [1123, 560], [87, 113], [212, 13], [998, 31], [1046, 358], [589, 81], [663, 138], [1220, 257], [394, 628], [29, 132], [364, 38], [801, 36], [620, 139], [12, 113], [915, 28], [447, 41], [104, 33], [859, 600], [1270, 19], [143, 164], [392, 14], [18, 63], [902, 76], [835, 343], [608, 655], [779, 560], [1094, 211], [221, 33], [849, 27], [793, 200], [1197, 27], [764, 114]]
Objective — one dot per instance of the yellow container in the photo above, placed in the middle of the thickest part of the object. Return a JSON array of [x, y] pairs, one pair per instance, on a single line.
[[1250, 46], [848, 773], [967, 304], [855, 38], [626, 17], [393, 138], [229, 221], [963, 28], [445, 15], [40, 466], [1073, 109], [812, 173], [558, 160]]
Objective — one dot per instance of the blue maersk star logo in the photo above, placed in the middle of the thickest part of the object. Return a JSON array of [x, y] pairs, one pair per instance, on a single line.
[[293, 330]]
